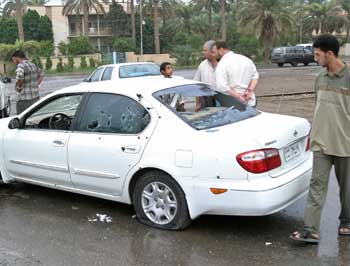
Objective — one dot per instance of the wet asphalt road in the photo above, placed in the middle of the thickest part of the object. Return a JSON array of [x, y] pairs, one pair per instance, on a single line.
[[40, 226]]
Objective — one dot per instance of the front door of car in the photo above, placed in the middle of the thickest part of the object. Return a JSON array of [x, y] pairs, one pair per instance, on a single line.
[[37, 151], [112, 134]]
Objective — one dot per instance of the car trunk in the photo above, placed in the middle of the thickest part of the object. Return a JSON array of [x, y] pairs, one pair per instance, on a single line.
[[285, 133]]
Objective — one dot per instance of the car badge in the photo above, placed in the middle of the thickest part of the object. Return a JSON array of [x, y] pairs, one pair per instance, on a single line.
[[295, 133]]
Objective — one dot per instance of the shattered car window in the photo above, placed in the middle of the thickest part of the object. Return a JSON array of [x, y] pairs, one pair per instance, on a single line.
[[203, 108], [112, 113], [138, 70]]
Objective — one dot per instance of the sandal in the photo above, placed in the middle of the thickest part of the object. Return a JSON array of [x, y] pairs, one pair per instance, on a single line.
[[305, 237], [344, 229]]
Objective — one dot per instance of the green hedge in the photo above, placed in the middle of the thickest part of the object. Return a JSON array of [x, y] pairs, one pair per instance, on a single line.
[[30, 48]]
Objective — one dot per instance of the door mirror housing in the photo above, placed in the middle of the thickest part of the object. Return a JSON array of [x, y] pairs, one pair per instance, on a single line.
[[6, 80], [14, 123], [86, 80]]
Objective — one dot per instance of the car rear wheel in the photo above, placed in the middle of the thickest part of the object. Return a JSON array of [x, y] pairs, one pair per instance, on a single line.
[[280, 64], [160, 202]]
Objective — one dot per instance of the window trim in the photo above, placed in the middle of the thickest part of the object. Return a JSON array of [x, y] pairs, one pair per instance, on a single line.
[[74, 119], [80, 116], [99, 78], [105, 69]]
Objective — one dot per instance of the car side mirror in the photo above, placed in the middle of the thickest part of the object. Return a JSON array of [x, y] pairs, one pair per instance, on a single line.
[[86, 80], [14, 123], [6, 80]]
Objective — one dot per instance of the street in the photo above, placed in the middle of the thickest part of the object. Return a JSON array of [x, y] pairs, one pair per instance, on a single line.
[[41, 226]]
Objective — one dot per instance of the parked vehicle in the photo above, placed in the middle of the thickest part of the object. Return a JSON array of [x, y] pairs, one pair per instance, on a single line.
[[308, 46], [5, 104], [123, 71], [292, 55], [126, 142]]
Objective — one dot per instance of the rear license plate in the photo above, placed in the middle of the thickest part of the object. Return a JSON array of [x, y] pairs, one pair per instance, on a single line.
[[291, 152]]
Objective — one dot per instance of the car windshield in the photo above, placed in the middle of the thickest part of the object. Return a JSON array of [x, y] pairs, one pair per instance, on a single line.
[[277, 51], [138, 70], [216, 110]]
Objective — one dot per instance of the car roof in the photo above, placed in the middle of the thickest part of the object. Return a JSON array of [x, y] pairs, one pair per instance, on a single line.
[[127, 64], [144, 85]]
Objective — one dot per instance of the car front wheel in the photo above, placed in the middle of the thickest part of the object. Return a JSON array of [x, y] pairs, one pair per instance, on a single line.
[[160, 202]]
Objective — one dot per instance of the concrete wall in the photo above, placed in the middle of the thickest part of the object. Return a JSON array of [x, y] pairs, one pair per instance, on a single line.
[[77, 59], [156, 58], [97, 57]]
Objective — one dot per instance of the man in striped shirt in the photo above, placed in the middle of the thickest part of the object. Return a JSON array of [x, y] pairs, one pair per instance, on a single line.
[[28, 78]]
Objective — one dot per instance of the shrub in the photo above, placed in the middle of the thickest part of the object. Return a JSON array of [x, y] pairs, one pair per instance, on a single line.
[[46, 48], [48, 64], [80, 46], [83, 63], [123, 45], [31, 48], [36, 60], [6, 51], [63, 48], [70, 65], [92, 62], [59, 66]]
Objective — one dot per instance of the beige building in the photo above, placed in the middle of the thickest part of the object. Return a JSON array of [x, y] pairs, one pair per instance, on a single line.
[[66, 28]]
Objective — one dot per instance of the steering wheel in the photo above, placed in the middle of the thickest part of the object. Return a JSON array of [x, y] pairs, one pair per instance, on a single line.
[[59, 121]]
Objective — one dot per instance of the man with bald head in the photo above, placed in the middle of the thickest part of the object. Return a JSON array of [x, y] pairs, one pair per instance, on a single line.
[[206, 74]]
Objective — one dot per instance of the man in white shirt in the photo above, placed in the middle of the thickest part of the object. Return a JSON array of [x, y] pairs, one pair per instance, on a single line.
[[236, 75], [206, 74]]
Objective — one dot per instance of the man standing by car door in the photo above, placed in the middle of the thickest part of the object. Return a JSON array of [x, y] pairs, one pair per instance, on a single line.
[[236, 74], [206, 74], [28, 78], [330, 139]]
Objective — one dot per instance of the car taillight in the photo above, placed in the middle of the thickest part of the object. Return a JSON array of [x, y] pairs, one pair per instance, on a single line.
[[259, 161], [308, 144]]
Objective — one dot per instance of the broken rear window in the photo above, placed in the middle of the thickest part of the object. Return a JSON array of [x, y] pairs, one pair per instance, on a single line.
[[203, 108]]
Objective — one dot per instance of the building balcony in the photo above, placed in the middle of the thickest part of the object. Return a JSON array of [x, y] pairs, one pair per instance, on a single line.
[[93, 32]]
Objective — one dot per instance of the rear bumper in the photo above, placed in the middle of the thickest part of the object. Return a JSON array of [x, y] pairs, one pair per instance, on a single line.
[[247, 199]]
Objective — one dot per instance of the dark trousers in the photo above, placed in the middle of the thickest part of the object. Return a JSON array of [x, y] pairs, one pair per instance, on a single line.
[[21, 105]]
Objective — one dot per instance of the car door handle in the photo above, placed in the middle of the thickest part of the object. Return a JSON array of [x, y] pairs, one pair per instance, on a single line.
[[131, 148], [59, 143]]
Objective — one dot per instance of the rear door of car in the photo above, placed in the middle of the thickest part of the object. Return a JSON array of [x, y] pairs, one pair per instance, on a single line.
[[112, 134]]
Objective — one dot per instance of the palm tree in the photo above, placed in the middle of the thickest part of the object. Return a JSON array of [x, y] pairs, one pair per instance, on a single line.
[[19, 20], [345, 4], [84, 6], [267, 19], [223, 19], [9, 6], [324, 18], [133, 26], [156, 25], [209, 6]]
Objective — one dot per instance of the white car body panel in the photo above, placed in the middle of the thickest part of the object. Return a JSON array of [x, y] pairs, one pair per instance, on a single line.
[[197, 159]]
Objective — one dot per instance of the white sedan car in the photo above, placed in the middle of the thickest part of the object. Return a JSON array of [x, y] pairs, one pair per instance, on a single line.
[[127, 142], [124, 71]]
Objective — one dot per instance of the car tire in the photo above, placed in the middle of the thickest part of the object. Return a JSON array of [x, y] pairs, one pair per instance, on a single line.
[[164, 199], [306, 64], [294, 64], [280, 64]]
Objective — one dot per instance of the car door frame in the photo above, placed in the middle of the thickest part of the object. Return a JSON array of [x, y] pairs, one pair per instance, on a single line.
[[42, 165]]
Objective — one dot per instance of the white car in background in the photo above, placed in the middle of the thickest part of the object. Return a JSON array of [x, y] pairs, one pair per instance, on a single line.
[[5, 103], [126, 142], [124, 71]]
